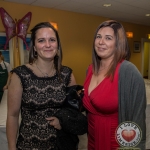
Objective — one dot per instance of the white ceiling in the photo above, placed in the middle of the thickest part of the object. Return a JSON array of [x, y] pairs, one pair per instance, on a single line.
[[133, 11]]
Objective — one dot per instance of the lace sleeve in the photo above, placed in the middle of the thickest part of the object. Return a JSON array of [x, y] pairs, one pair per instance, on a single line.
[[66, 74], [20, 71]]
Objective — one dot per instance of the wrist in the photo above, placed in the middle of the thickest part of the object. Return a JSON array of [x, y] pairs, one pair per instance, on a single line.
[[12, 147]]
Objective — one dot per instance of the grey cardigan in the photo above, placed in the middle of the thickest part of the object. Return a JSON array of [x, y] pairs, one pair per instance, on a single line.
[[132, 98]]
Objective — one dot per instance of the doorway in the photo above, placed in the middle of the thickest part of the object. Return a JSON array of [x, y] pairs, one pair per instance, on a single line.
[[145, 45]]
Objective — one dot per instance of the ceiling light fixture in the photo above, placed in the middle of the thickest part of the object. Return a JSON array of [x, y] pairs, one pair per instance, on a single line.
[[54, 25], [129, 34], [106, 5], [147, 15]]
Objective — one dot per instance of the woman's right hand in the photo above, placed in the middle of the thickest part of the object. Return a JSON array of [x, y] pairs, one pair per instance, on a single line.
[[53, 121]]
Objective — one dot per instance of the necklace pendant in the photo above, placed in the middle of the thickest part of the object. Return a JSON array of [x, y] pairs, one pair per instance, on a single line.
[[45, 74]]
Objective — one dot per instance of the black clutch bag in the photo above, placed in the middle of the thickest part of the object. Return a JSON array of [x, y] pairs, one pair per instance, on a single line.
[[74, 95], [72, 120]]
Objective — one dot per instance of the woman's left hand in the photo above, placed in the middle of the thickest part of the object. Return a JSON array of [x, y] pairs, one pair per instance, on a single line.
[[53, 121]]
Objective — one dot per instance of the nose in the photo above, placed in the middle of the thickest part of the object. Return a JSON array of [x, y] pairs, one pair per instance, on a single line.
[[47, 44], [101, 41]]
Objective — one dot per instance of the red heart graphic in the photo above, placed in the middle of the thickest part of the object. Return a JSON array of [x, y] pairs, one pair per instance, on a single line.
[[128, 135]]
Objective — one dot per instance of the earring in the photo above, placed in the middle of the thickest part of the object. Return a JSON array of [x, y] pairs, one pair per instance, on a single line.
[[35, 53]]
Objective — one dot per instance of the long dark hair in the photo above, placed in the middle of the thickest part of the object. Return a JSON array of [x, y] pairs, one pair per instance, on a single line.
[[33, 54], [122, 50]]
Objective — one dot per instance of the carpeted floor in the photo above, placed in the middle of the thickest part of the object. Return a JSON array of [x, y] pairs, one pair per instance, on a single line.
[[83, 142]]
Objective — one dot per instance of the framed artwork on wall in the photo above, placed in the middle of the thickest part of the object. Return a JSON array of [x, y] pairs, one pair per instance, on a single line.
[[8, 53], [137, 47]]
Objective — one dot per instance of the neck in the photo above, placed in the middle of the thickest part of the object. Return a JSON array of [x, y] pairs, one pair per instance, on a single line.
[[103, 68], [104, 65], [105, 62], [46, 69], [45, 65]]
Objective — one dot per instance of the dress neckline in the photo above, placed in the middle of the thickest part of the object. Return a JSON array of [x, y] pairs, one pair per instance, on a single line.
[[95, 86], [33, 74]]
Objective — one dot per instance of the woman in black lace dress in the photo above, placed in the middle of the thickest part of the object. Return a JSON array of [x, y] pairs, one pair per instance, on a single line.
[[37, 90]]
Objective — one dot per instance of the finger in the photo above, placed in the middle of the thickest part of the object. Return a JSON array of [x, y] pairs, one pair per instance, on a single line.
[[50, 118], [51, 123]]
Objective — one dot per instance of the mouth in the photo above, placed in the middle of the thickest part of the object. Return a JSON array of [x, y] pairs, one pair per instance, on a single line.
[[48, 50], [101, 48]]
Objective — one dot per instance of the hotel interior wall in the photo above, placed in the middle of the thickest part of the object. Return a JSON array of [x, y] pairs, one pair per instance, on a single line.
[[76, 32]]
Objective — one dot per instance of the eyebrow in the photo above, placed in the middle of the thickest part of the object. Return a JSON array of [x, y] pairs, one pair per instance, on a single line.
[[106, 35], [110, 36], [45, 38]]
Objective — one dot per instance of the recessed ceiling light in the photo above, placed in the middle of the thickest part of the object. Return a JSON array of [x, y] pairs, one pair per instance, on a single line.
[[147, 15], [106, 5]]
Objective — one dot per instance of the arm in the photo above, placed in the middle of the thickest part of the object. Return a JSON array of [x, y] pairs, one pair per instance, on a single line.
[[9, 68], [139, 106], [8, 81], [132, 98], [14, 103]]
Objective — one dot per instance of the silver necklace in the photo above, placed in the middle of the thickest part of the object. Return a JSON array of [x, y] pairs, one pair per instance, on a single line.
[[44, 74]]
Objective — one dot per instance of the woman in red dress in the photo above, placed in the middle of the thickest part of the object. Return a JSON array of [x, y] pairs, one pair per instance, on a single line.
[[102, 97]]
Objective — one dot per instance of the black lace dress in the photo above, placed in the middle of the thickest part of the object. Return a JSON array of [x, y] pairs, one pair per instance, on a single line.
[[42, 97]]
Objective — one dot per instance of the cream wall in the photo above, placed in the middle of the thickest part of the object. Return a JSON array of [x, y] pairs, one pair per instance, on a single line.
[[76, 33]]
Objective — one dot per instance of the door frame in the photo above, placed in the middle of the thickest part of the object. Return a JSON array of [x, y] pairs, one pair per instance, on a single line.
[[142, 51]]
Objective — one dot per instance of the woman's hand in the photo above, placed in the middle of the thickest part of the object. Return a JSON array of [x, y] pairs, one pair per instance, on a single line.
[[53, 121], [5, 87]]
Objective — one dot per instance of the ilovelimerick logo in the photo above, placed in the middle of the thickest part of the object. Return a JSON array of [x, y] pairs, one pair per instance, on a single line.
[[128, 135]]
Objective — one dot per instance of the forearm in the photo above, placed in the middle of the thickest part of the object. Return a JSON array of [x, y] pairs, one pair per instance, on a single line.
[[11, 131]]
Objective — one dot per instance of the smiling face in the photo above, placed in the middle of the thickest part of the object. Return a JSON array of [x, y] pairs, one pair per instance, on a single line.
[[46, 44], [105, 42]]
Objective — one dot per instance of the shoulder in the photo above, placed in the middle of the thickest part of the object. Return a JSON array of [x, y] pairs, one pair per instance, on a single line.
[[6, 63], [66, 69], [19, 69], [129, 70], [90, 66], [128, 67], [22, 72], [66, 74], [8, 66], [126, 64]]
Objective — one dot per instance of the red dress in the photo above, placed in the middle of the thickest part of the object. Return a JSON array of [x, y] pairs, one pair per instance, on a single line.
[[102, 107]]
